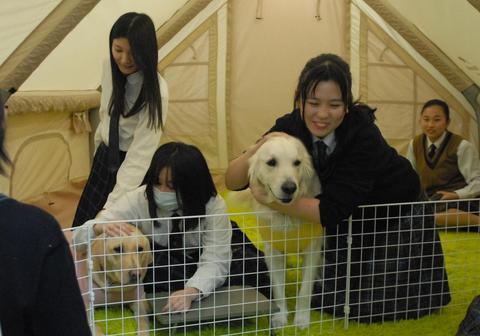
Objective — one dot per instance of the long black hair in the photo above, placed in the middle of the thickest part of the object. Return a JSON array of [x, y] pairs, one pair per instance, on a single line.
[[139, 30], [3, 154], [191, 179]]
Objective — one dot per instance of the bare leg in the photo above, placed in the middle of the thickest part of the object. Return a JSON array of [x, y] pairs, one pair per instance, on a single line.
[[454, 218]]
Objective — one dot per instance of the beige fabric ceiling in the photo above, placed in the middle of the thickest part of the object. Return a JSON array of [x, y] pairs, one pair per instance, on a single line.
[[267, 55], [453, 27]]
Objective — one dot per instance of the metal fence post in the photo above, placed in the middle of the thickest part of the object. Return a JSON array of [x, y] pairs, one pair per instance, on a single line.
[[91, 294], [346, 308]]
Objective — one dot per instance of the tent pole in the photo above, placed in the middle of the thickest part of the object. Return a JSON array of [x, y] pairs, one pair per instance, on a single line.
[[5, 94], [472, 94]]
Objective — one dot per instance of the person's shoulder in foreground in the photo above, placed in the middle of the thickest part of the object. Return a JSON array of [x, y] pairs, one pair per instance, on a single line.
[[39, 293]]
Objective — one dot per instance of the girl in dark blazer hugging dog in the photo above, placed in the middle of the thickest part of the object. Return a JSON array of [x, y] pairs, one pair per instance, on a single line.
[[356, 167]]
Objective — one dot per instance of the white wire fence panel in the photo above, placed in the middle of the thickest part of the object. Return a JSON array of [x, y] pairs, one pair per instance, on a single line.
[[411, 260], [268, 274], [81, 260]]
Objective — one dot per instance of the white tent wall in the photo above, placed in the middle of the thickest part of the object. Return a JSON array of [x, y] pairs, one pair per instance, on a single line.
[[48, 116], [194, 66], [232, 67], [271, 40], [75, 64], [394, 80], [453, 25], [459, 86], [387, 71], [48, 141]]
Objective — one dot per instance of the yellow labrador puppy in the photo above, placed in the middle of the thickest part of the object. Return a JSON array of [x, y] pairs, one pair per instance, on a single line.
[[119, 266]]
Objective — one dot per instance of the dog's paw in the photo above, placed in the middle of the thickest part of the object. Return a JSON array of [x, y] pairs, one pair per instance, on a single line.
[[98, 331], [279, 320], [302, 319], [144, 329]]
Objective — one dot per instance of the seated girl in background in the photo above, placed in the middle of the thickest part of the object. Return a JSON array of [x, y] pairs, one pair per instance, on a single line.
[[448, 166], [192, 256]]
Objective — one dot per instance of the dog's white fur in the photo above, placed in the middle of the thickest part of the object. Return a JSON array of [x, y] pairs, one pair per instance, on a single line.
[[284, 168]]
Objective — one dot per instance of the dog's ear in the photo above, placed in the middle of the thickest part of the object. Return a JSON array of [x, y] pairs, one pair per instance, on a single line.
[[98, 245], [307, 172], [253, 163], [147, 253], [98, 252]]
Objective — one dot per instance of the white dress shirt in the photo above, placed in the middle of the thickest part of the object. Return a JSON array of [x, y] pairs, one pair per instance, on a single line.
[[468, 165], [214, 233], [135, 137], [330, 140]]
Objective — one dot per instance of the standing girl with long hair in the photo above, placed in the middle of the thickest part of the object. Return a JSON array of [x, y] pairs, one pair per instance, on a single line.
[[133, 109]]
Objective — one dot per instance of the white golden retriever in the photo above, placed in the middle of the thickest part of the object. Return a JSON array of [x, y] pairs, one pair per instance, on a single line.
[[284, 168]]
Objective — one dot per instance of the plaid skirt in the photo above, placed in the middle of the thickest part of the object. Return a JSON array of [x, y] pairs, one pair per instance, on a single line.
[[470, 325], [472, 206], [397, 269], [99, 185]]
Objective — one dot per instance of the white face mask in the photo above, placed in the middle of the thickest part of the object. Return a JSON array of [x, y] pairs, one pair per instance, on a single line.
[[165, 200]]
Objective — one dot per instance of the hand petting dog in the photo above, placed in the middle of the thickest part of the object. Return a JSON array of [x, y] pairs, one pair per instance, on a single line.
[[181, 300], [114, 229]]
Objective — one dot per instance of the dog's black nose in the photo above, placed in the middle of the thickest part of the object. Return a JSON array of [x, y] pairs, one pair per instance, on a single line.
[[289, 187], [134, 277]]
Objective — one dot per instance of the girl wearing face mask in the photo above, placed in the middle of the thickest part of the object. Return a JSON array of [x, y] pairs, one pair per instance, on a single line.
[[192, 256], [133, 109]]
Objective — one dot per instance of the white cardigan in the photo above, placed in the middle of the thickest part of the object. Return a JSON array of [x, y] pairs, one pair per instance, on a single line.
[[135, 137]]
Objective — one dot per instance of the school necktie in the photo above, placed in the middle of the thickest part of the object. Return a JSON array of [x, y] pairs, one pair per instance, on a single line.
[[431, 151], [113, 143], [175, 237], [321, 154]]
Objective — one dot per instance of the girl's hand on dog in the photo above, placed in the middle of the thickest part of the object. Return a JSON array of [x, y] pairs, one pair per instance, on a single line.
[[252, 150], [259, 193], [181, 300], [447, 195], [267, 136], [114, 229]]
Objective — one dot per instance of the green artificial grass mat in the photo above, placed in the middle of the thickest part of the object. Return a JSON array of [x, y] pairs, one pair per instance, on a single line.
[[462, 253]]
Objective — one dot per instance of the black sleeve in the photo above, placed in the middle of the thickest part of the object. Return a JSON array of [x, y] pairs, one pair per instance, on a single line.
[[288, 123], [353, 176], [58, 308]]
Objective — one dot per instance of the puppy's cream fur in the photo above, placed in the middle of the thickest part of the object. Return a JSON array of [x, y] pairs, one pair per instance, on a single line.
[[119, 266]]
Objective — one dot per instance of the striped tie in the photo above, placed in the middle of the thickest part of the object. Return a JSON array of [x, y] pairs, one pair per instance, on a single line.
[[431, 151]]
